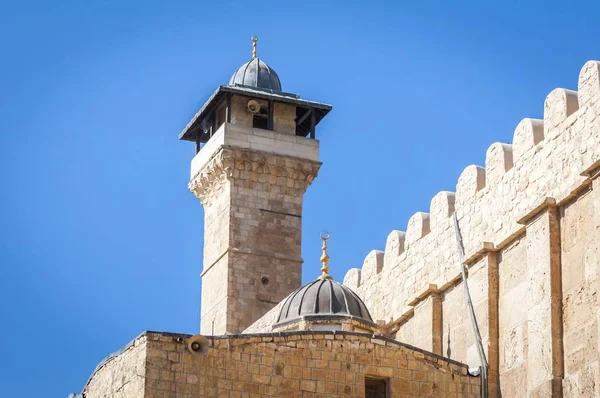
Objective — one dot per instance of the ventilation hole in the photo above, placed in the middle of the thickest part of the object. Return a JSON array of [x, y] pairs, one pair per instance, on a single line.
[[264, 280]]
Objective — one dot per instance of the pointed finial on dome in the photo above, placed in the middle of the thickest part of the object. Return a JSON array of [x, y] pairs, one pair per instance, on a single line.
[[254, 40], [325, 258]]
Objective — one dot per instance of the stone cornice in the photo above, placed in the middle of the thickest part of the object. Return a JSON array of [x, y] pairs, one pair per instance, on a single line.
[[255, 167], [209, 181]]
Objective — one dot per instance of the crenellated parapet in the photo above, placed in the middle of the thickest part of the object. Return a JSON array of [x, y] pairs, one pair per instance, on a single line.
[[545, 160]]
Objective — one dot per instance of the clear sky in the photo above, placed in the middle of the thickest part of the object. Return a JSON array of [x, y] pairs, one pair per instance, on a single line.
[[101, 238]]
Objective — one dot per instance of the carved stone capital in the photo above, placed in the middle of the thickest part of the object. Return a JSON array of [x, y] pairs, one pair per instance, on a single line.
[[252, 169]]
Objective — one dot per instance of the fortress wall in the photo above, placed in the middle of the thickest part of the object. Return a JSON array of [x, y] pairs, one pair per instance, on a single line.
[[580, 224], [452, 335], [518, 217], [512, 323], [458, 341]]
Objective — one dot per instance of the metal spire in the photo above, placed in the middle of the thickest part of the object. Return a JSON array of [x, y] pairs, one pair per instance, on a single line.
[[254, 40], [325, 258]]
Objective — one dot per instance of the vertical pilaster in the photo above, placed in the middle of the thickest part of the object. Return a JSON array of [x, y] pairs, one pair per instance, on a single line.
[[595, 177], [580, 238], [427, 322], [437, 326], [491, 258], [422, 324], [545, 368]]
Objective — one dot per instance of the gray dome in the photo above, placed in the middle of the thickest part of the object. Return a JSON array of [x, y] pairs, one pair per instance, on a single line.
[[322, 299], [255, 73]]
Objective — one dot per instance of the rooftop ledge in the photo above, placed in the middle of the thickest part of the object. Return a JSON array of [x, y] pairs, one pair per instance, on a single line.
[[233, 135]]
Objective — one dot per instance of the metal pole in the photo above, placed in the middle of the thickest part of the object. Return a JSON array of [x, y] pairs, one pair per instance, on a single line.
[[478, 342]]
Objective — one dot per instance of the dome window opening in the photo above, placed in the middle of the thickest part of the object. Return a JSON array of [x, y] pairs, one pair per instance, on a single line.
[[327, 327], [375, 388], [221, 115]]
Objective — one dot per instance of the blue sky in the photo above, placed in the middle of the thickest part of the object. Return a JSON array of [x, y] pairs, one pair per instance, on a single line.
[[101, 238]]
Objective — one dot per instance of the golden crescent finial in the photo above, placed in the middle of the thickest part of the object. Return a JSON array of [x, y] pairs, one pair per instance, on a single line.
[[325, 257], [254, 41]]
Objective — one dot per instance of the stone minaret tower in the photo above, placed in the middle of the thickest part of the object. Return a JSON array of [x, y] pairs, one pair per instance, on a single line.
[[255, 157]]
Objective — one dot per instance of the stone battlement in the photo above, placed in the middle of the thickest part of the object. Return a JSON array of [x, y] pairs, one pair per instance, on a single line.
[[546, 162]]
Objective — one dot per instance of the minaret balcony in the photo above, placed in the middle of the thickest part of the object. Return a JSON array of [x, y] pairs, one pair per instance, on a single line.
[[255, 139]]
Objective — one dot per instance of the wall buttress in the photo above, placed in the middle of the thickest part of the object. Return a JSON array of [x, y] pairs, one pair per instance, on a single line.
[[493, 324]]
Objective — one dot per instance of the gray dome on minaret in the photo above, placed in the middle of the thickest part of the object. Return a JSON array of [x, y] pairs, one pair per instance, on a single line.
[[256, 73]]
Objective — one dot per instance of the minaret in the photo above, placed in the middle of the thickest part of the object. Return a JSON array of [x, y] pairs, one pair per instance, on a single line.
[[256, 154]]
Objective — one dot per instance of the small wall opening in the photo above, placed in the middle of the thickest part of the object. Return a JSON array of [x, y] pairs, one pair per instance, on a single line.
[[260, 120], [375, 388], [220, 116], [326, 326]]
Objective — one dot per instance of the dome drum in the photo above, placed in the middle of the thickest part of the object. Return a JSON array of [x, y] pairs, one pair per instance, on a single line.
[[327, 322]]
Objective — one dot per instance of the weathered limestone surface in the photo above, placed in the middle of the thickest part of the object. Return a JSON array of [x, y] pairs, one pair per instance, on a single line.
[[579, 223], [308, 364], [284, 115], [251, 182], [543, 302], [512, 320], [122, 375], [252, 258], [426, 325], [266, 322], [458, 340], [285, 118], [291, 364], [545, 282], [267, 141]]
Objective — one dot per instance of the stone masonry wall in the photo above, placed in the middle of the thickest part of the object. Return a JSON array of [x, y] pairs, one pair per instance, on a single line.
[[299, 364], [265, 323], [252, 259], [123, 375], [580, 261], [512, 262], [239, 106], [530, 226], [284, 118], [284, 115]]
